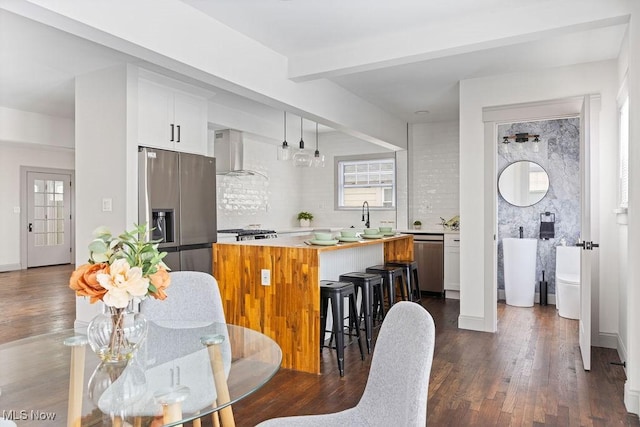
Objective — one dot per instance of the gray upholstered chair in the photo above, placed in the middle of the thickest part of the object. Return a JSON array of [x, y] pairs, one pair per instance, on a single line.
[[192, 297], [176, 325], [398, 384]]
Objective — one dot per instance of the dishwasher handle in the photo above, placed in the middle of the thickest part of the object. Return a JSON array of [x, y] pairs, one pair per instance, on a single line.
[[428, 237]]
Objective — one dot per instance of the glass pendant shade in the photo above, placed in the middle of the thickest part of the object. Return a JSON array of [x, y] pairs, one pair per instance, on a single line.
[[284, 152], [302, 159], [318, 160]]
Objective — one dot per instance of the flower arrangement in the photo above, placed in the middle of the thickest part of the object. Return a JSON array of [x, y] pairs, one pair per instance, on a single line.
[[121, 268]]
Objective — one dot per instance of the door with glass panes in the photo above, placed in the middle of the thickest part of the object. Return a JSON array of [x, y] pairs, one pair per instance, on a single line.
[[48, 219]]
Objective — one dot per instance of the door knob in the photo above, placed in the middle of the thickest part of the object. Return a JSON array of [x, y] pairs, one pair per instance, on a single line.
[[587, 245], [30, 227]]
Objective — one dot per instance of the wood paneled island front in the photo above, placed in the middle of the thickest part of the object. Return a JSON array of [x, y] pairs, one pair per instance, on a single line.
[[288, 309]]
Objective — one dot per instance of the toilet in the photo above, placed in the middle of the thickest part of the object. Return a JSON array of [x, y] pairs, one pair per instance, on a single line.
[[568, 281]]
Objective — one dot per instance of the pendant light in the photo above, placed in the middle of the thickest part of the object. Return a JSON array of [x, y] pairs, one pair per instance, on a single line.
[[318, 159], [301, 158], [284, 153]]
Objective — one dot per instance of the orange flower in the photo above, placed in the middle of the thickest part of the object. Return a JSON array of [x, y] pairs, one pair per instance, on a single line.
[[83, 281], [161, 280]]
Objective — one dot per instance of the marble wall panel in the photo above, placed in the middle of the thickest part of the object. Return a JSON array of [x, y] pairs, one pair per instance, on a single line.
[[559, 155]]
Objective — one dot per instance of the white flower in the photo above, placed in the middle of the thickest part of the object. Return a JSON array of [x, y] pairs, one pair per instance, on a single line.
[[123, 283]]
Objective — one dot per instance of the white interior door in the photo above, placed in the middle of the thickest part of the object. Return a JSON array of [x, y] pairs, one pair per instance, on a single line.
[[48, 219], [585, 234]]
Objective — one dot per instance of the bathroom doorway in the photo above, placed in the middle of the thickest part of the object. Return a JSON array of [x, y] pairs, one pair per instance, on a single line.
[[581, 109]]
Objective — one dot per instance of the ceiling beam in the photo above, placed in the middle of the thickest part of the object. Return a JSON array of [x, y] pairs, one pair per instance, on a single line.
[[177, 37], [466, 33]]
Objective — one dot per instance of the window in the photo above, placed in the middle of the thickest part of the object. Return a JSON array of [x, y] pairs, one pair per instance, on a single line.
[[370, 179], [624, 153]]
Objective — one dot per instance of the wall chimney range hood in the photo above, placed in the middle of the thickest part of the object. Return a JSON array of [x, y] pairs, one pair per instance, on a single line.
[[229, 154]]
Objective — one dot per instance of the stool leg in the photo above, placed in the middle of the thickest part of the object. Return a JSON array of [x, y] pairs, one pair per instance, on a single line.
[[337, 307], [402, 285], [367, 306], [406, 289], [323, 320], [391, 292], [356, 320], [416, 284], [378, 303]]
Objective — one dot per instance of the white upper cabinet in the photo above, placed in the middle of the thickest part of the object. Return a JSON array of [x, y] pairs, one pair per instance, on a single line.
[[171, 119]]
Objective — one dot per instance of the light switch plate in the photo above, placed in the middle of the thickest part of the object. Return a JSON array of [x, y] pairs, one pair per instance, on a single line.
[[107, 205], [265, 277]]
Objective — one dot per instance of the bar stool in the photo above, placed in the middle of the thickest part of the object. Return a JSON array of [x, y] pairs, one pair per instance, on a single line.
[[366, 283], [390, 275], [411, 275], [336, 292]]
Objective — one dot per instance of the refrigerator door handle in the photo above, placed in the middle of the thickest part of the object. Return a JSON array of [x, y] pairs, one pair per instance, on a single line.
[[143, 192]]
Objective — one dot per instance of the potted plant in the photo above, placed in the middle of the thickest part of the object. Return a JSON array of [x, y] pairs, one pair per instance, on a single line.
[[305, 218], [417, 224]]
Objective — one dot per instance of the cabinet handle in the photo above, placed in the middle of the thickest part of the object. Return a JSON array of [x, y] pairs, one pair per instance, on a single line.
[[172, 132], [178, 126], [456, 240]]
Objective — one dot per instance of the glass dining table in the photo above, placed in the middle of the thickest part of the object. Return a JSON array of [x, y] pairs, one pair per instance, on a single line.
[[182, 372]]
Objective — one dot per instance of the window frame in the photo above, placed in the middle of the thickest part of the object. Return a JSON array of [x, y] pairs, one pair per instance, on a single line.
[[364, 158]]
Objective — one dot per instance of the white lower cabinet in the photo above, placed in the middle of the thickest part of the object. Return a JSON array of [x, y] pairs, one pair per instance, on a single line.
[[451, 262]]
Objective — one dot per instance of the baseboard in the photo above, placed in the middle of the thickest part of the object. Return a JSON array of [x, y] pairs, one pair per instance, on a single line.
[[10, 267], [472, 323], [551, 298], [452, 294], [607, 340], [631, 399], [622, 351]]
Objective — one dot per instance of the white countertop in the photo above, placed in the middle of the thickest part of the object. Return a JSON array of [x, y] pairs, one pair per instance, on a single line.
[[438, 230], [434, 230]]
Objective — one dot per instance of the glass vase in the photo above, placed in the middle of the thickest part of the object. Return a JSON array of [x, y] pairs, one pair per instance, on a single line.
[[117, 333], [115, 386]]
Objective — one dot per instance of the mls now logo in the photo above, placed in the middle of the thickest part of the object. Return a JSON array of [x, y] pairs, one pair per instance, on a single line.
[[32, 415]]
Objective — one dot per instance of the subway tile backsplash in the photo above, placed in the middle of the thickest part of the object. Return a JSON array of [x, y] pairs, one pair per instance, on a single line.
[[435, 185]]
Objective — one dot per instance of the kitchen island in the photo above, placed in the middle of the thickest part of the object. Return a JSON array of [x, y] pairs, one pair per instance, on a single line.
[[287, 308]]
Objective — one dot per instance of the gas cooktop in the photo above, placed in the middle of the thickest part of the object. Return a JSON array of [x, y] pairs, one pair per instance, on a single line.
[[245, 232]]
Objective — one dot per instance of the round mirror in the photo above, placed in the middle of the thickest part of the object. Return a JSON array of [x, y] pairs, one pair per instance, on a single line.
[[523, 183]]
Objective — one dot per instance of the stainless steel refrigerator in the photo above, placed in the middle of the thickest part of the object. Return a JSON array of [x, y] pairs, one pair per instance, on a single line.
[[177, 197]]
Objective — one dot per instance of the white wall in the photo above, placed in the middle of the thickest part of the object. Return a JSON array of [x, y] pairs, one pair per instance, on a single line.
[[318, 185], [102, 168], [509, 89], [435, 173], [26, 139], [275, 203]]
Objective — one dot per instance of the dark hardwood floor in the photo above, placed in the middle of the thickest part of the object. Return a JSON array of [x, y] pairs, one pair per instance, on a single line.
[[528, 374]]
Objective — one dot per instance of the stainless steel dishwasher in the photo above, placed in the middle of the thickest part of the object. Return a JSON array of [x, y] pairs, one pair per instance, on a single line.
[[429, 254]]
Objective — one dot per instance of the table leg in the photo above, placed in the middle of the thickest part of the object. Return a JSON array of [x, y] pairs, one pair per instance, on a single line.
[[172, 412], [171, 399], [76, 379], [217, 367]]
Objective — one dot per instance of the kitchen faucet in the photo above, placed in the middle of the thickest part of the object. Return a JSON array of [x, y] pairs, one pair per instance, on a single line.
[[367, 223]]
